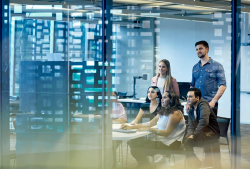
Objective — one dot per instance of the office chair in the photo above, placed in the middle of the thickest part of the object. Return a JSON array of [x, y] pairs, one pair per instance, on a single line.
[[223, 123], [122, 94]]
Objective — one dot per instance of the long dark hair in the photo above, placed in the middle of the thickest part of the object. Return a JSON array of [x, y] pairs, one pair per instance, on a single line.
[[158, 94], [174, 104]]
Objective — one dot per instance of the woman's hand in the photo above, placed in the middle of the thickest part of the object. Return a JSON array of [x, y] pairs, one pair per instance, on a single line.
[[126, 127], [133, 123], [144, 129]]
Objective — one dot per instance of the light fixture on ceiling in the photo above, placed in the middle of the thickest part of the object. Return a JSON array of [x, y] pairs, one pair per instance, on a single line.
[[187, 18], [92, 7]]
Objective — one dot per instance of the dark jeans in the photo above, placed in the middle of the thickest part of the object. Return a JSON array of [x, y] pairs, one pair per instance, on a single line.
[[215, 109], [141, 148], [211, 157]]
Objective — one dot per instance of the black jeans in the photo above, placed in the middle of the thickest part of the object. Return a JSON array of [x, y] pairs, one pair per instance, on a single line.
[[215, 109], [141, 148], [209, 145]]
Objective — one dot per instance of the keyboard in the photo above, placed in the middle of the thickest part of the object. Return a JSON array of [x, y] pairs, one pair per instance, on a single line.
[[124, 131]]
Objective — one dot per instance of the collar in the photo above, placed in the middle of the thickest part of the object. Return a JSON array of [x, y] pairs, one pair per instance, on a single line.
[[195, 108], [209, 61]]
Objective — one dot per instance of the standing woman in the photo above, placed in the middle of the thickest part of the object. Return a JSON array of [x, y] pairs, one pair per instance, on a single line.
[[151, 107], [164, 81]]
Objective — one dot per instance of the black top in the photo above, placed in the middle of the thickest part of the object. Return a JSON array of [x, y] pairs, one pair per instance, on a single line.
[[147, 116], [205, 125]]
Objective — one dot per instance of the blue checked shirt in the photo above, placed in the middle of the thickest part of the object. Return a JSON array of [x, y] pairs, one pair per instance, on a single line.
[[208, 78]]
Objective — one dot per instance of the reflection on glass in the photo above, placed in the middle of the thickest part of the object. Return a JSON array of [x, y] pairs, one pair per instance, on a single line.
[[61, 91]]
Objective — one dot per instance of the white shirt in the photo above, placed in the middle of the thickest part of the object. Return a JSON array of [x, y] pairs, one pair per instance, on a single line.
[[176, 134], [160, 84], [195, 113]]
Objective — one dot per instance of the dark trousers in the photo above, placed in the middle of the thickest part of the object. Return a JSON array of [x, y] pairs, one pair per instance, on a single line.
[[141, 148], [211, 148], [215, 109]]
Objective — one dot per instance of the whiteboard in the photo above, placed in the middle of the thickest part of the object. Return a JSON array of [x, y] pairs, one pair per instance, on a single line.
[[245, 69]]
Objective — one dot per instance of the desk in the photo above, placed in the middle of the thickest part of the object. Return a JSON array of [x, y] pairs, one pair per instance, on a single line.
[[133, 107], [126, 136], [118, 136], [131, 101], [87, 116], [140, 101]]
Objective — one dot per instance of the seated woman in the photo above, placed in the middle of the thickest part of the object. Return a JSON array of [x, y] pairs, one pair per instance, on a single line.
[[171, 129], [118, 111], [149, 109]]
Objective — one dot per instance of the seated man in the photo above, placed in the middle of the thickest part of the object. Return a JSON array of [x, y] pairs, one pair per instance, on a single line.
[[202, 130]]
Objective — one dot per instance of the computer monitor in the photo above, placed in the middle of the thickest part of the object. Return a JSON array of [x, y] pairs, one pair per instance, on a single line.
[[183, 87]]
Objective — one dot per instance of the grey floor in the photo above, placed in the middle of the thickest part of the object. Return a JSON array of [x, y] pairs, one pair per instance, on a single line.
[[179, 159]]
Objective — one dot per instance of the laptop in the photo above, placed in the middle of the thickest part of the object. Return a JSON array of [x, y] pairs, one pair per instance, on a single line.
[[125, 131]]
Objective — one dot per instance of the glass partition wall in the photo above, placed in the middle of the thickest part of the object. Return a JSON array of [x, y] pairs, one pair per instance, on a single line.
[[62, 77], [59, 113]]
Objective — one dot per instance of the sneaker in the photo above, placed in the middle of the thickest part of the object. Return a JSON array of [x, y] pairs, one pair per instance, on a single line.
[[168, 162], [163, 159], [160, 160]]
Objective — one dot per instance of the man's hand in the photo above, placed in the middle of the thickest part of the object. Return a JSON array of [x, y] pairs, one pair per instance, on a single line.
[[212, 104], [187, 108], [191, 137]]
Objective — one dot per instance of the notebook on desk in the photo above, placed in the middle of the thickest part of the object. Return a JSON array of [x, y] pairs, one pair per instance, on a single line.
[[124, 131]]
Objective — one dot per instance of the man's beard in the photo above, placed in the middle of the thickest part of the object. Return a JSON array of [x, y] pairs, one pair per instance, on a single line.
[[201, 56]]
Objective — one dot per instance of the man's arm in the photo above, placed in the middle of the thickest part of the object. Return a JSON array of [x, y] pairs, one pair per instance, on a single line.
[[193, 80], [204, 110], [218, 95], [190, 127], [220, 75]]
